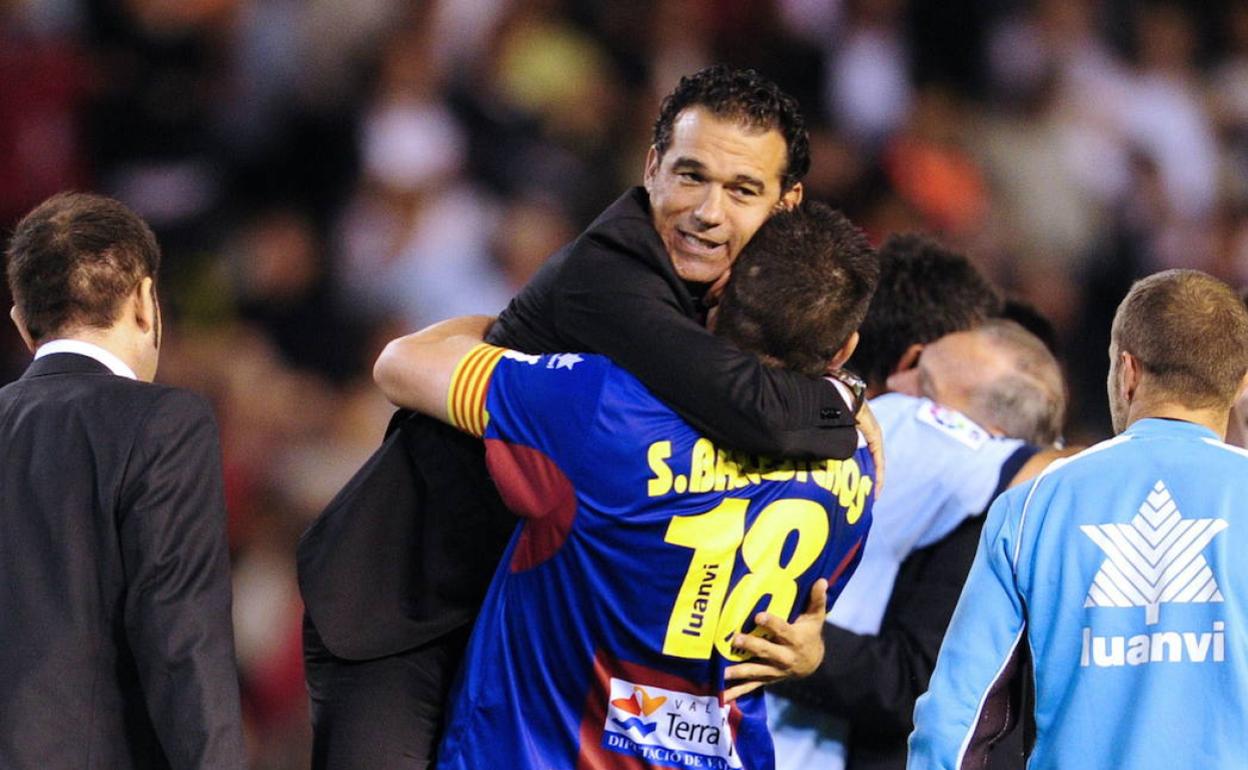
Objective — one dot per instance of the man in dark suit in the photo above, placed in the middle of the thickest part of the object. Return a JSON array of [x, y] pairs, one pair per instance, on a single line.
[[116, 645], [395, 569]]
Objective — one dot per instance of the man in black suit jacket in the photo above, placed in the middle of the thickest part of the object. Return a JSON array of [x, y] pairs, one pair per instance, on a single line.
[[384, 633], [116, 645]]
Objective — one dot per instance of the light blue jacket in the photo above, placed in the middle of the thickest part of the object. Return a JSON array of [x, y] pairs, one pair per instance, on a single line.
[[1121, 571]]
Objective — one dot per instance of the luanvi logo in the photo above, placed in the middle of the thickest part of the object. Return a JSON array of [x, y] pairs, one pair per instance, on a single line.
[[1156, 558]]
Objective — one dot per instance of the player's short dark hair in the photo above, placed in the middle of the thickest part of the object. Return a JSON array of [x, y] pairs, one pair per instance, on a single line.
[[926, 291], [800, 288], [744, 96], [1189, 332], [74, 258]]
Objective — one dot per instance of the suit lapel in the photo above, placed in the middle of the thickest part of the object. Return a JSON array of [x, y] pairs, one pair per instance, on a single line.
[[628, 222]]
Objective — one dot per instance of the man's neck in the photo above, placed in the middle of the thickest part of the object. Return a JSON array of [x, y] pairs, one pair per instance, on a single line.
[[1213, 419], [110, 341]]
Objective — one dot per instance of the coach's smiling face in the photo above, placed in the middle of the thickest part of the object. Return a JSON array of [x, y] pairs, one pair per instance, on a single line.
[[713, 188]]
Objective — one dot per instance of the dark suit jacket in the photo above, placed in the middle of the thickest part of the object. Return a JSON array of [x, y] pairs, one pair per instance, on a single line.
[[404, 552], [613, 291], [116, 644]]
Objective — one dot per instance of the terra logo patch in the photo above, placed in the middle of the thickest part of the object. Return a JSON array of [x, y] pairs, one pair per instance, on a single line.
[[669, 727]]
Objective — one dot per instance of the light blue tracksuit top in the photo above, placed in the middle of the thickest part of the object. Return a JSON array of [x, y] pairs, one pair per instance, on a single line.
[[1123, 572]]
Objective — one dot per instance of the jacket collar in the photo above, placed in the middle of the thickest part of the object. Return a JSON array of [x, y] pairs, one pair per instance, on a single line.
[[1162, 426], [65, 363], [619, 224]]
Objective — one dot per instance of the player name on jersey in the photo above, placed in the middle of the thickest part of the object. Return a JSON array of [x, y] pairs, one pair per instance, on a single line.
[[709, 468]]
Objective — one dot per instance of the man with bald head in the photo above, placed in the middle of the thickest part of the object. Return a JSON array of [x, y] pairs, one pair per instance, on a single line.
[[998, 374]]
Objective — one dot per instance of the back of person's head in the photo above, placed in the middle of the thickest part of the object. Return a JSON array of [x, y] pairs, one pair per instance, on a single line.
[[1237, 426], [800, 288], [926, 291], [1189, 333], [72, 261], [1030, 318], [743, 96], [1029, 400]]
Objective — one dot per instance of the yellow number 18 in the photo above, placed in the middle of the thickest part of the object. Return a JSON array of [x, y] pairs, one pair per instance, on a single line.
[[702, 618]]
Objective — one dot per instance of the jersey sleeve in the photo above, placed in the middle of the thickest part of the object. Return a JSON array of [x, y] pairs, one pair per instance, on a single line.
[[982, 466], [465, 402], [967, 706], [542, 401]]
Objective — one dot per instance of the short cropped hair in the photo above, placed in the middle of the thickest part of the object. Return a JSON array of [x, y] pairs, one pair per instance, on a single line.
[[1029, 402], [800, 288], [1189, 332], [926, 291], [73, 259], [744, 96]]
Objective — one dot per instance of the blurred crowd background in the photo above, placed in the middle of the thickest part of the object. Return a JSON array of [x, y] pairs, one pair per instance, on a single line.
[[326, 174]]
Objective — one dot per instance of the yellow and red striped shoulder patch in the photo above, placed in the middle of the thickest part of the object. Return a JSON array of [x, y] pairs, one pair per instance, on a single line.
[[466, 400]]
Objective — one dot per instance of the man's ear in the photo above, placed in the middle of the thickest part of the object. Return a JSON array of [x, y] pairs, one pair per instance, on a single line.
[[651, 170], [1129, 374], [16, 316], [842, 355], [790, 199], [143, 304], [908, 359], [906, 382]]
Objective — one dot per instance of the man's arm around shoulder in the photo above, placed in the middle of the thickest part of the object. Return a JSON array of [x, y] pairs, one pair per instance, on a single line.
[[415, 371]]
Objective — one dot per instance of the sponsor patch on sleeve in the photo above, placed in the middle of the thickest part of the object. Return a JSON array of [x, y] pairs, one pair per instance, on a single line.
[[953, 423]]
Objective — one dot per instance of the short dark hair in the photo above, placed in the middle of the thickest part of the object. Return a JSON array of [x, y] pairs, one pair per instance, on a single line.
[[800, 288], [74, 258], [926, 291], [1189, 331], [745, 96]]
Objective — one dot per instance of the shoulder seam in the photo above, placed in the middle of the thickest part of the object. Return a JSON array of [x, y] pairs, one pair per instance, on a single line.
[[1053, 467], [1228, 447]]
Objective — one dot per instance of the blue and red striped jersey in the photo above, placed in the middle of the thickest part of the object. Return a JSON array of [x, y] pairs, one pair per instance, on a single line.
[[643, 550]]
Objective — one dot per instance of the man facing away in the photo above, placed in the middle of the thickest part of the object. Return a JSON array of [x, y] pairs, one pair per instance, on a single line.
[[647, 551], [116, 649], [1118, 569]]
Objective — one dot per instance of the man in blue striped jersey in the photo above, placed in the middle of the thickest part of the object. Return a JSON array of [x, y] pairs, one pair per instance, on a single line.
[[1117, 570]]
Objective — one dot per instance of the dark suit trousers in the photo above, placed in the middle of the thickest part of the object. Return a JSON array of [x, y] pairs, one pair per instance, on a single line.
[[381, 714]]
